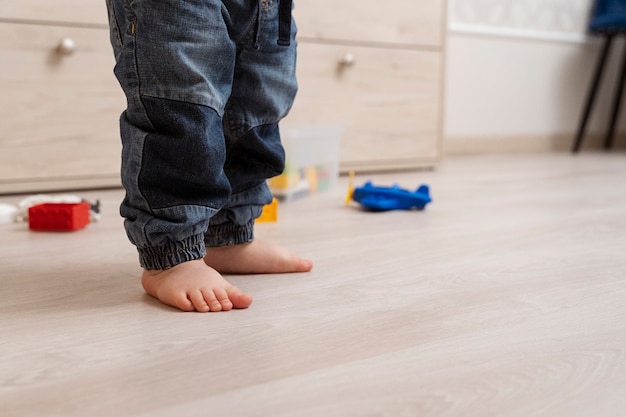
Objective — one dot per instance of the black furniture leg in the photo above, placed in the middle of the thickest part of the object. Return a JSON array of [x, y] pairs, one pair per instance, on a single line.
[[592, 93], [617, 102]]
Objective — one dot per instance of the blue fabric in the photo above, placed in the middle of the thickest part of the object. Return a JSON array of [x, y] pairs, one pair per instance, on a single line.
[[206, 83], [608, 16]]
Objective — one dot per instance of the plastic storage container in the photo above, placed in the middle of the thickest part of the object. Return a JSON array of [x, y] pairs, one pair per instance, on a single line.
[[312, 163]]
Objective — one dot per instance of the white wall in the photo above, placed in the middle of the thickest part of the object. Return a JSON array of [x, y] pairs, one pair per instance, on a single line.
[[518, 73]]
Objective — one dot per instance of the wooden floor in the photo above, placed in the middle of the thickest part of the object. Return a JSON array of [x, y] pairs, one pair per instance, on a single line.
[[505, 297]]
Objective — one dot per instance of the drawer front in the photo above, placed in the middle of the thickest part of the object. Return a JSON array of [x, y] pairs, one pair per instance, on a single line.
[[59, 113], [76, 11], [414, 22], [387, 101]]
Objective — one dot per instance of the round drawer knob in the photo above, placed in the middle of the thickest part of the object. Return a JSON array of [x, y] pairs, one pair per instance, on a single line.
[[348, 60], [67, 46]]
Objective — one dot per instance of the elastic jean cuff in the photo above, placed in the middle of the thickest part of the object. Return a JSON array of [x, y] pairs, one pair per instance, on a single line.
[[172, 254], [229, 234]]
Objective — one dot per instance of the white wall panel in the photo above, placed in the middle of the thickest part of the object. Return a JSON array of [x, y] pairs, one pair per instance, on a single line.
[[550, 19], [519, 70]]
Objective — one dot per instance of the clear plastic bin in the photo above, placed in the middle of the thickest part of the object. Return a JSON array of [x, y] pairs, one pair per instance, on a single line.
[[312, 161]]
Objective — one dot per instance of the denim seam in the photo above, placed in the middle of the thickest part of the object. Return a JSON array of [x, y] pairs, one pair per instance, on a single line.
[[195, 103], [145, 114], [232, 126], [156, 209], [247, 35], [143, 106]]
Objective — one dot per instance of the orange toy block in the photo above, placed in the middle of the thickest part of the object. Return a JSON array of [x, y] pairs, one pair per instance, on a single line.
[[270, 212]]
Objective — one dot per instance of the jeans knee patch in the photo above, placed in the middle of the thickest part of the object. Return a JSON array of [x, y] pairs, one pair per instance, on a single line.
[[182, 159], [254, 157]]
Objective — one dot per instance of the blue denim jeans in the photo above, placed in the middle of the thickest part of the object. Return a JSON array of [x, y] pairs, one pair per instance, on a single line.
[[206, 83]]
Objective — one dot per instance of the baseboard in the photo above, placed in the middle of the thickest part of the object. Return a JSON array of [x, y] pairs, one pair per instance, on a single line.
[[58, 184], [523, 144]]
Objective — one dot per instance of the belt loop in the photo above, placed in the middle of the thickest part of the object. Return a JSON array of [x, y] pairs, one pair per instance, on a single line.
[[284, 22]]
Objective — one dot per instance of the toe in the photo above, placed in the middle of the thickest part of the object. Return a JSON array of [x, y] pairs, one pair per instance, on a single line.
[[211, 300], [303, 265], [222, 296], [238, 298], [182, 302], [198, 301]]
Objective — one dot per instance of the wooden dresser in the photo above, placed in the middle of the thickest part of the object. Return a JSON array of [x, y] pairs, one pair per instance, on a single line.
[[373, 68], [60, 101]]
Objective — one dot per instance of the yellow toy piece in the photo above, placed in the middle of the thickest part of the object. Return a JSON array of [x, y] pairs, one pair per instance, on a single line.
[[280, 182], [289, 178], [350, 188], [269, 213]]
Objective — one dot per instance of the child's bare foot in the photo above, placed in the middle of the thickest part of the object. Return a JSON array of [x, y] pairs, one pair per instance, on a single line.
[[194, 286], [256, 257]]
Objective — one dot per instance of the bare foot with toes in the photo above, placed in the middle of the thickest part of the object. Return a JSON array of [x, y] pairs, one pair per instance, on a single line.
[[199, 286], [194, 286], [256, 257]]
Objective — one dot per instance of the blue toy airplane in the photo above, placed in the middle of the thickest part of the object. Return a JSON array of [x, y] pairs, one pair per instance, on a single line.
[[389, 198]]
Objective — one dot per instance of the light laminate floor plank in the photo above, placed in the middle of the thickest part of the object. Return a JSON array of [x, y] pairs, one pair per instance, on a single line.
[[505, 297]]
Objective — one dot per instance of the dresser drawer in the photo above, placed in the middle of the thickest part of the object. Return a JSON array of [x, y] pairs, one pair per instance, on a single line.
[[75, 11], [387, 100], [59, 112], [414, 22]]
